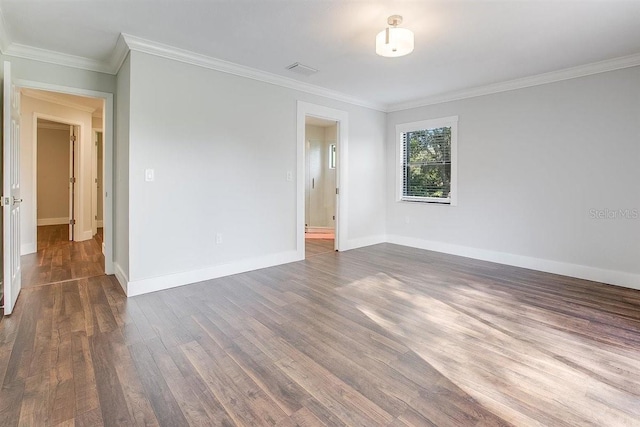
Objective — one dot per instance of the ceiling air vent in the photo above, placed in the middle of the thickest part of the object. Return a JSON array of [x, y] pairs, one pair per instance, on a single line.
[[297, 67]]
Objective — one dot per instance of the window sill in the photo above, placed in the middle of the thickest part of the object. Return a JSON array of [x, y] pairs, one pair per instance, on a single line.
[[427, 202]]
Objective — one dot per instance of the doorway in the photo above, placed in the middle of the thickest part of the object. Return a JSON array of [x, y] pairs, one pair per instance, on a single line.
[[61, 240], [320, 184], [55, 173]]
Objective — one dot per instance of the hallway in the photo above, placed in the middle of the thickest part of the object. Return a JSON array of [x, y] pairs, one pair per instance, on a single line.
[[59, 259]]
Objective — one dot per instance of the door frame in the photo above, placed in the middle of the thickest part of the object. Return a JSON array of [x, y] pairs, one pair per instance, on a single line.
[[34, 167], [107, 140], [305, 109]]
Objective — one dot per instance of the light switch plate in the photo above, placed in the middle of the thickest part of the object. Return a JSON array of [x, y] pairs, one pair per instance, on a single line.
[[149, 175]]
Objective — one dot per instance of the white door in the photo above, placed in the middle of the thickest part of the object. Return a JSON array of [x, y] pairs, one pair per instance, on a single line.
[[11, 191]]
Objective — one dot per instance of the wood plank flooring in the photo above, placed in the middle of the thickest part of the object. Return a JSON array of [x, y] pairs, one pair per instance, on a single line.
[[318, 246], [59, 259], [379, 336]]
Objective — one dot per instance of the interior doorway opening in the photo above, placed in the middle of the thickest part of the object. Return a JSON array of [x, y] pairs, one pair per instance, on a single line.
[[321, 158], [335, 156], [61, 239]]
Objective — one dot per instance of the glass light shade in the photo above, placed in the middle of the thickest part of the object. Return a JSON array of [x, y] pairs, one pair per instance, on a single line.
[[393, 42]]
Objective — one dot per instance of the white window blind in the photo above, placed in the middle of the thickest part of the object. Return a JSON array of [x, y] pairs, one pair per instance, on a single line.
[[427, 169]]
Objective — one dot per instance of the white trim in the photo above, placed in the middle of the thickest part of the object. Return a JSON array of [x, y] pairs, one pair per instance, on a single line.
[[313, 229], [127, 42], [53, 126], [452, 122], [99, 223], [58, 58], [53, 221], [119, 54], [122, 278], [153, 284], [188, 57], [27, 248], [45, 96], [108, 133], [366, 241], [619, 278], [305, 109], [536, 80], [86, 235]]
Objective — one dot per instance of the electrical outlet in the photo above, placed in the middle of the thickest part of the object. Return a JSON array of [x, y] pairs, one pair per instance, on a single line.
[[218, 238], [289, 176]]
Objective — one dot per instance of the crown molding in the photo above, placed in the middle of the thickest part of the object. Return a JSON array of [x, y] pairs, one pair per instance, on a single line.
[[43, 96], [53, 126], [540, 79], [118, 55], [126, 43], [181, 55], [58, 58]]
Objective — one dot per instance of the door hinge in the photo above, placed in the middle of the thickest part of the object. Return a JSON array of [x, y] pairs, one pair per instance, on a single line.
[[337, 191], [72, 180], [73, 138], [72, 222], [96, 217], [5, 201]]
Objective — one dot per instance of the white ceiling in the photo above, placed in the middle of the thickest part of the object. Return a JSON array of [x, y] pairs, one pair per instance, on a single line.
[[459, 44], [95, 106]]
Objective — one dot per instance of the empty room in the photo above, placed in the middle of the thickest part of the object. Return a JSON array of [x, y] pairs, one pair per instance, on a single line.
[[320, 213]]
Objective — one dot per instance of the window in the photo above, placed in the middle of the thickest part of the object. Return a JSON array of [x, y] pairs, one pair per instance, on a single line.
[[427, 167], [332, 156]]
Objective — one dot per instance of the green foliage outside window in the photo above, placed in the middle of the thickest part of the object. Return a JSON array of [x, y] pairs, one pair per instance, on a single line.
[[427, 163]]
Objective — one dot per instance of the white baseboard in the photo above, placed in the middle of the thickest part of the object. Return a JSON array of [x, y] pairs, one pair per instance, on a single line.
[[365, 241], [103, 248], [619, 278], [85, 235], [152, 284], [53, 221], [121, 277], [319, 229], [27, 248]]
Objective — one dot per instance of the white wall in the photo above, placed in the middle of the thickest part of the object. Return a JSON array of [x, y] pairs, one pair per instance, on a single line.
[[29, 108], [53, 176], [42, 72], [121, 174], [533, 163], [221, 146]]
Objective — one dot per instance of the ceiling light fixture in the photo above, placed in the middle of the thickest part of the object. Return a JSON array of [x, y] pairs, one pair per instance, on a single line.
[[393, 41]]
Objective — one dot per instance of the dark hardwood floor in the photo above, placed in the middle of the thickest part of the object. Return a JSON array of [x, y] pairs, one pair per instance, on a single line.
[[59, 259], [318, 246], [379, 336]]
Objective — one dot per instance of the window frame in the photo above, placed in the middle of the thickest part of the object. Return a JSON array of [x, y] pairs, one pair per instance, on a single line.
[[333, 154], [402, 128]]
